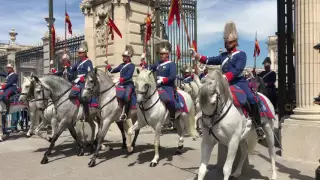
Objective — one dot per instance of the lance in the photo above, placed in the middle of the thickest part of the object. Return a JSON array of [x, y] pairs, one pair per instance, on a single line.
[[145, 43], [107, 38], [187, 33]]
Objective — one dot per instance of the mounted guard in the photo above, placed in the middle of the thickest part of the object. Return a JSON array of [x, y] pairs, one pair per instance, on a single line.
[[269, 78], [125, 88], [233, 63], [166, 75], [9, 88], [204, 73], [82, 67], [187, 75]]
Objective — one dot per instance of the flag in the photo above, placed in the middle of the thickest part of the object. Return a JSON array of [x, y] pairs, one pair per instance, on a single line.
[[174, 11], [256, 48], [178, 53], [53, 37], [68, 21], [148, 28], [194, 45], [113, 27]]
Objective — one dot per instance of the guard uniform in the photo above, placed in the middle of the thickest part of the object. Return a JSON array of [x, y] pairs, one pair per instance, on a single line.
[[232, 64], [269, 78], [125, 88], [166, 75], [187, 76], [8, 88]]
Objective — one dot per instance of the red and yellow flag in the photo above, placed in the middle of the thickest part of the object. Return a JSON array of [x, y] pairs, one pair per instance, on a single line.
[[112, 27], [53, 37], [148, 28], [178, 53], [256, 48], [174, 11], [194, 45], [68, 21]]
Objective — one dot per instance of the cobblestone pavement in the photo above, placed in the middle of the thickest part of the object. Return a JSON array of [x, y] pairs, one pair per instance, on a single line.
[[20, 160]]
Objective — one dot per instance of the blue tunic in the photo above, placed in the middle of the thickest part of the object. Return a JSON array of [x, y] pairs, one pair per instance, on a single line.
[[202, 75], [125, 88], [11, 85], [232, 66], [166, 70], [188, 79], [81, 68]]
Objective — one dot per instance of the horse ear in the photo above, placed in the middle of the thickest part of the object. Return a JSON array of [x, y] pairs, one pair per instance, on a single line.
[[138, 71], [36, 78]]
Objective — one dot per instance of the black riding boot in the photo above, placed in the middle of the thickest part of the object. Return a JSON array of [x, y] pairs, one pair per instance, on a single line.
[[86, 110], [255, 112], [126, 108]]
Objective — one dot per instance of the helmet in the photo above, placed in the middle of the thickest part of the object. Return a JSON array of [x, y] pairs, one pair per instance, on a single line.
[[65, 56], [9, 65], [127, 53], [83, 47], [164, 50], [267, 60], [230, 32]]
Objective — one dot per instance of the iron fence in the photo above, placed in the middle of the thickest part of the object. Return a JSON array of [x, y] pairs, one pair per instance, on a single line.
[[176, 35], [3, 63]]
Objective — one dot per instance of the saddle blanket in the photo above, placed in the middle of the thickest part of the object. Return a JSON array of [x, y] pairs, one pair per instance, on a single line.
[[121, 95], [14, 100], [181, 103], [93, 103], [240, 99]]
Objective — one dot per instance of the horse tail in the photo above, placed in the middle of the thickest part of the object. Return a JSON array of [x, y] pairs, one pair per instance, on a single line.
[[251, 141], [191, 122]]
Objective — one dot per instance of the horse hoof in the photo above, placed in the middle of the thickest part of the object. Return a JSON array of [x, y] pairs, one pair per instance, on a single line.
[[44, 160], [152, 164], [81, 153], [1, 140], [28, 135], [130, 150], [124, 146], [92, 163]]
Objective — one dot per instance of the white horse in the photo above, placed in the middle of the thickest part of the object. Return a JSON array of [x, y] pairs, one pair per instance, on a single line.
[[152, 112], [48, 115], [67, 110], [6, 109], [225, 123], [100, 84]]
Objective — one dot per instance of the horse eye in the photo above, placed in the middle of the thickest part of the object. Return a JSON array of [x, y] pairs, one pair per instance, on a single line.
[[38, 91]]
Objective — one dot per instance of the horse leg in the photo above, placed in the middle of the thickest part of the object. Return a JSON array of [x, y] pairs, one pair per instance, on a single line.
[[207, 145], [34, 121], [124, 139], [105, 127], [232, 151], [270, 140], [75, 137], [1, 126], [244, 153], [179, 123], [61, 128], [54, 124], [155, 159]]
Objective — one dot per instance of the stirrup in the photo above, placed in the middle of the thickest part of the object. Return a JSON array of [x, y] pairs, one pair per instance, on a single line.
[[260, 133]]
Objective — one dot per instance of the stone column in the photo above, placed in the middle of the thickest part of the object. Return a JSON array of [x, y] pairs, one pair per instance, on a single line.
[[12, 48], [301, 130], [46, 53], [86, 7]]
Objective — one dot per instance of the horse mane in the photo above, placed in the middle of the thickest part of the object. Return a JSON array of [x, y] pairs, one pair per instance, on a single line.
[[146, 76], [214, 81], [56, 83]]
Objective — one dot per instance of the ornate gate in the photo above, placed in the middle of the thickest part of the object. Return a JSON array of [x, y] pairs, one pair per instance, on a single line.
[[3, 63], [71, 46], [29, 61], [174, 34]]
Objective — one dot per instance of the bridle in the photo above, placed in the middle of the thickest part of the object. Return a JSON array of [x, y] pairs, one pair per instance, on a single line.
[[91, 90], [145, 100], [216, 116]]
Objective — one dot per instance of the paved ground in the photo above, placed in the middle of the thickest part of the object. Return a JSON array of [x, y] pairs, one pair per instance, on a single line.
[[20, 160]]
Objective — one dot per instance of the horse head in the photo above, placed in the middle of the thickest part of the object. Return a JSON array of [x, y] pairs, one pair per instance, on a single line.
[[41, 94], [213, 94], [92, 85], [145, 85]]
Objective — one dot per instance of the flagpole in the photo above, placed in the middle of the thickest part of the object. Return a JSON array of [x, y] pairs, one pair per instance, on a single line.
[[145, 34], [255, 56], [65, 27]]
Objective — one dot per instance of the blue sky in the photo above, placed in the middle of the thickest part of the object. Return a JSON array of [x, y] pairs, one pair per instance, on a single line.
[[27, 17]]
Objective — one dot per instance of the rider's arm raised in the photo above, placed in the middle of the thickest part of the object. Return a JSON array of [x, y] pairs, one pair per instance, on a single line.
[[114, 70], [214, 60]]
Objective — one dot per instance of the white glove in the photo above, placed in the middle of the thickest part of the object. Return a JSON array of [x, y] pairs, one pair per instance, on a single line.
[[159, 81], [192, 52]]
